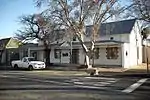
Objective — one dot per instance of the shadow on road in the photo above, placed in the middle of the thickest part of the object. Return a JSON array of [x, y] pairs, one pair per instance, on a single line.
[[54, 68]]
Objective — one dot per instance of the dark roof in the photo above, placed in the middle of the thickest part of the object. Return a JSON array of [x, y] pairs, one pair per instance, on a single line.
[[27, 45], [101, 41], [104, 41], [118, 27], [4, 42]]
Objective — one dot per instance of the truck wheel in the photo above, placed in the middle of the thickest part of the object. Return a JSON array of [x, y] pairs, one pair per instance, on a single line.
[[30, 68], [16, 66], [92, 73]]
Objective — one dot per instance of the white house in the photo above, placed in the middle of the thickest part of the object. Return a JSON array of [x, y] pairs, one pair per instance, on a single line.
[[119, 44]]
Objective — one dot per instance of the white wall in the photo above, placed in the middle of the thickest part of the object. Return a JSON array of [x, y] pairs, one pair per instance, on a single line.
[[102, 58], [135, 41], [63, 59], [116, 37], [126, 55]]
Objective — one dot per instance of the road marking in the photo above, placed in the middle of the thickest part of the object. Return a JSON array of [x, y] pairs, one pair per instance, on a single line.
[[105, 78], [38, 80], [78, 83], [90, 87], [134, 86], [45, 81], [3, 76]]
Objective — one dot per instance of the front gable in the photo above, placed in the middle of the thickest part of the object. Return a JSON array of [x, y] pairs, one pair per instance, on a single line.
[[13, 43]]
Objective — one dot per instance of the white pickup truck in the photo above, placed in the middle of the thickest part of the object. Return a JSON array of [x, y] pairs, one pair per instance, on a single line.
[[28, 62]]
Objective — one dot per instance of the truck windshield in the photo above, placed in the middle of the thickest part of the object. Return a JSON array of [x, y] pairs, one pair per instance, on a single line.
[[31, 59]]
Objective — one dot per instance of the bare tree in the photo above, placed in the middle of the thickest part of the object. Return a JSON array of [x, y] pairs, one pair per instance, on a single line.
[[37, 26], [145, 33], [75, 14], [140, 9]]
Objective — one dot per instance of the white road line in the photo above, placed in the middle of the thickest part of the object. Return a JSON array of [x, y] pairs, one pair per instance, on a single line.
[[101, 78], [3, 76], [134, 86], [75, 80], [78, 83], [90, 87], [38, 80], [45, 81]]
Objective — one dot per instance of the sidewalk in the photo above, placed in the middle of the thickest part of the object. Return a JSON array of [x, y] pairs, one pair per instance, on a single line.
[[137, 71], [140, 70]]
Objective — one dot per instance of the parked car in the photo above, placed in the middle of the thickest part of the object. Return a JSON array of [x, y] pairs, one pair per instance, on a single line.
[[28, 62]]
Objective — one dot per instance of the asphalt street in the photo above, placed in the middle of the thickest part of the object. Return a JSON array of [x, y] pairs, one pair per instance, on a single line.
[[32, 85]]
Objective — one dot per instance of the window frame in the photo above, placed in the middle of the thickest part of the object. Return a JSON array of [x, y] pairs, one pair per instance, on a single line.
[[112, 52]]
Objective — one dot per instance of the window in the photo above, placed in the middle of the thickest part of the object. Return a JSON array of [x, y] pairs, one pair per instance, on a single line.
[[24, 60], [57, 53], [96, 53], [65, 54], [74, 38], [112, 52], [31, 59]]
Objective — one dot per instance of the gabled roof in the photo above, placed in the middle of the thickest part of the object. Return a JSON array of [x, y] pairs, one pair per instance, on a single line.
[[4, 42], [9, 43], [118, 27]]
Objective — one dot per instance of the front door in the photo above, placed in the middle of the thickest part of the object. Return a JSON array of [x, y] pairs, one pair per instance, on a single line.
[[24, 63], [75, 56]]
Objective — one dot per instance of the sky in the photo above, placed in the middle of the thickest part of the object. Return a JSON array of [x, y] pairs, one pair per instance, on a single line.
[[10, 10]]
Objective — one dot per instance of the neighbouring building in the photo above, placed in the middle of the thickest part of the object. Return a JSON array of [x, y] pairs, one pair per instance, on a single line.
[[8, 50], [13, 49]]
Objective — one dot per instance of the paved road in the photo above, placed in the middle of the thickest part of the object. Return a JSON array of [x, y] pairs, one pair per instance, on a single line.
[[32, 85]]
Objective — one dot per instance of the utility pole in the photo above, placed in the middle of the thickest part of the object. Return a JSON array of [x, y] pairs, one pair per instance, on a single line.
[[71, 51], [28, 52], [145, 32], [147, 62]]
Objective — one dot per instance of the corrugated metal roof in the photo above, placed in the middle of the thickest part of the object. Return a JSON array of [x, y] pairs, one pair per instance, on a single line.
[[118, 27]]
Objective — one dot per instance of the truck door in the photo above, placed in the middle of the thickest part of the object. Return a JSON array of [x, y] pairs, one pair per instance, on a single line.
[[24, 63]]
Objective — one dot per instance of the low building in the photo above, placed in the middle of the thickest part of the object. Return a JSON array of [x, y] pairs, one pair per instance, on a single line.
[[13, 49], [119, 44], [8, 50]]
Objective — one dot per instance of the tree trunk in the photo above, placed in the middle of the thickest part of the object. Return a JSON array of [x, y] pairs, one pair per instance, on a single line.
[[47, 56], [87, 59], [147, 61], [47, 53], [88, 54]]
